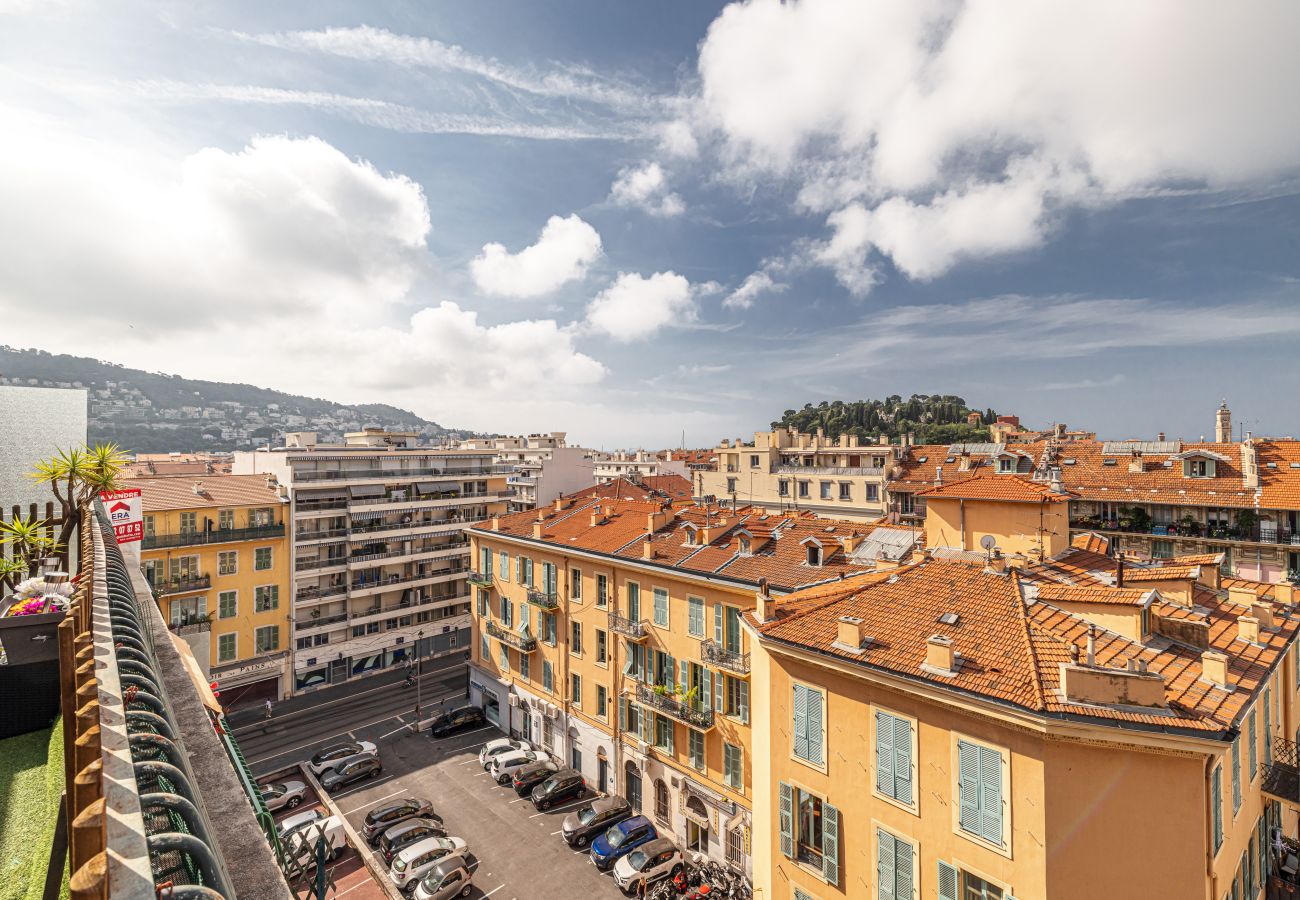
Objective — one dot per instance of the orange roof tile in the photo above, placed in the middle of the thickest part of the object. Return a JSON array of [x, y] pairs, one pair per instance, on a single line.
[[185, 492], [1005, 488]]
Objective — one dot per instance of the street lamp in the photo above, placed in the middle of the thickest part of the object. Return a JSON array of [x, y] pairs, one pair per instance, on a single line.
[[419, 670]]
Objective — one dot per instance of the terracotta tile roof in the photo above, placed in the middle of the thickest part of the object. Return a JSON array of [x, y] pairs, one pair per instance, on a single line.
[[1190, 559], [1279, 482], [1085, 472], [1095, 543], [1067, 593], [670, 487], [199, 492], [1133, 574], [1007, 488]]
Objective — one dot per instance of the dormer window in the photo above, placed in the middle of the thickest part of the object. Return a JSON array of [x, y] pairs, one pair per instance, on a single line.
[[814, 555], [1006, 464], [744, 546], [1199, 468]]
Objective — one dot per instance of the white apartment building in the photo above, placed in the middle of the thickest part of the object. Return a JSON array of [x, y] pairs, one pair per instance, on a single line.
[[636, 465], [543, 467], [379, 556]]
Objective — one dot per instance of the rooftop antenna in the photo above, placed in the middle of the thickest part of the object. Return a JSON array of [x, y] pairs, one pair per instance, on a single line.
[[988, 542]]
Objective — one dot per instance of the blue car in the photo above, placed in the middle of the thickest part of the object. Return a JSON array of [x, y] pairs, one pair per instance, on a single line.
[[620, 840]]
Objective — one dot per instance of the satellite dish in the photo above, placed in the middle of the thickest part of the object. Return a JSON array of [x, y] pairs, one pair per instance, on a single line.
[[988, 542]]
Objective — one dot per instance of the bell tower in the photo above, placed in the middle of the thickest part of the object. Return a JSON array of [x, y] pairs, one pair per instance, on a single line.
[[1223, 424]]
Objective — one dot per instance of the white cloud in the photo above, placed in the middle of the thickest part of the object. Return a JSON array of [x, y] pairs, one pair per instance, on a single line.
[[938, 131], [677, 139], [636, 307], [563, 252], [646, 187], [754, 285]]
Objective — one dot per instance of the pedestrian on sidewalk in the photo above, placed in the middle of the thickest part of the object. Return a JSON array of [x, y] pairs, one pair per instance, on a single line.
[[268, 707]]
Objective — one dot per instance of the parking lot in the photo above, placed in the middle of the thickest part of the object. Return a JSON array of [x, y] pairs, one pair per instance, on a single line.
[[516, 853]]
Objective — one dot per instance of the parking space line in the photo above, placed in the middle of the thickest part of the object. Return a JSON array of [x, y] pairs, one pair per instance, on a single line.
[[554, 833], [348, 812], [520, 800], [362, 787], [404, 727], [493, 891], [475, 731], [319, 741], [559, 808]]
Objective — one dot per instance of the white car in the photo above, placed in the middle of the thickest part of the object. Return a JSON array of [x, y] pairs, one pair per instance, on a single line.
[[493, 749], [504, 766], [283, 795], [647, 864], [330, 757], [292, 823], [301, 843], [415, 860]]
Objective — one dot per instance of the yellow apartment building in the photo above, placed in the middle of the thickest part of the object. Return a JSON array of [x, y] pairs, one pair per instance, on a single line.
[[1024, 518], [216, 553], [608, 631], [788, 470], [1078, 727]]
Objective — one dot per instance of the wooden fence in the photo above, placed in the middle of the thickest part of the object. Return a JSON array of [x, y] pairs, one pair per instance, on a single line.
[[52, 517]]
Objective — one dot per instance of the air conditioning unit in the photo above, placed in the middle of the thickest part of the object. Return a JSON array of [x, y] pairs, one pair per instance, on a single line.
[[552, 711], [514, 701], [676, 782], [643, 747]]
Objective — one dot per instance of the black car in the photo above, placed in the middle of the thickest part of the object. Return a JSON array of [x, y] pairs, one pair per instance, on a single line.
[[358, 767], [594, 818], [382, 818], [564, 785], [528, 777], [402, 835], [457, 720]]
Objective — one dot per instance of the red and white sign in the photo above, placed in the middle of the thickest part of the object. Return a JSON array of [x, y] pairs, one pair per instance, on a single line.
[[125, 511]]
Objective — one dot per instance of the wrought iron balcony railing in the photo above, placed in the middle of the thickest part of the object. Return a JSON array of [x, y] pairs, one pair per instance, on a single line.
[[215, 536], [543, 598], [693, 713], [183, 585], [1282, 773], [634, 629], [522, 643], [480, 579], [713, 653]]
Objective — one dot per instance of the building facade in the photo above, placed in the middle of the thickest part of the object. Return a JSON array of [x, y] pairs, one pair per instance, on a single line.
[[543, 466], [379, 553], [635, 464], [785, 469], [216, 552]]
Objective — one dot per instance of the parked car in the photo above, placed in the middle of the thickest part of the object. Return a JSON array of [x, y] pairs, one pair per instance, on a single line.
[[358, 767], [504, 767], [404, 834], [457, 720], [290, 824], [563, 786], [301, 844], [493, 749], [620, 840], [283, 795], [528, 777], [594, 818], [646, 864], [382, 818], [332, 756], [449, 878], [416, 860]]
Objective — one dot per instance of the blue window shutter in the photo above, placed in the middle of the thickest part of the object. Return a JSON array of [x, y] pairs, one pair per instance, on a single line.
[[830, 843], [991, 795], [787, 820], [1254, 743], [622, 714], [968, 786], [1268, 728], [717, 623], [903, 870], [706, 690], [885, 865], [814, 717], [1216, 806], [947, 887], [800, 707], [885, 753], [742, 697], [1236, 775], [683, 676], [903, 760]]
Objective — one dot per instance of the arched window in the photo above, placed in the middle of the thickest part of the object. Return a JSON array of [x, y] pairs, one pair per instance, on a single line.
[[663, 808]]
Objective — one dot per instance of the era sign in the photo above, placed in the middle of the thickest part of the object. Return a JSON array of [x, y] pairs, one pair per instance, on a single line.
[[125, 512]]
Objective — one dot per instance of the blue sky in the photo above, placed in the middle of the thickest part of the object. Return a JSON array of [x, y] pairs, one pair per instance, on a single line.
[[630, 221]]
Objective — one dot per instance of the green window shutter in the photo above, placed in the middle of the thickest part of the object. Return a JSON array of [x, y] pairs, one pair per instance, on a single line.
[[902, 760], [683, 675], [1236, 775], [519, 569], [695, 616], [830, 843], [903, 870], [1216, 806], [885, 753], [800, 707], [814, 717], [719, 698], [787, 820], [717, 623], [742, 698], [1268, 729], [706, 690], [1254, 743], [885, 876], [947, 887], [968, 786], [991, 795], [622, 714], [661, 607]]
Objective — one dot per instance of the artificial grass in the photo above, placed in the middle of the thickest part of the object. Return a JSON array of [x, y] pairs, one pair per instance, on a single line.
[[31, 780]]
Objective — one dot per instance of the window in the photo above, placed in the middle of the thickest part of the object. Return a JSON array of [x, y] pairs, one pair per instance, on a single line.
[[664, 733], [753, 460], [228, 562], [661, 607], [695, 748], [733, 767], [227, 604], [602, 701], [189, 523], [483, 595], [634, 601], [485, 561], [505, 658], [826, 488], [1216, 806], [266, 597], [736, 698], [575, 584], [508, 613], [971, 887], [547, 627], [1236, 775], [504, 569], [1198, 468], [319, 639], [602, 590], [484, 651], [575, 689], [979, 787], [1162, 549], [804, 488], [810, 831], [695, 616], [149, 526], [894, 757], [575, 638], [1005, 464], [783, 488], [303, 643], [548, 678], [894, 878], [846, 490], [525, 667], [662, 804], [226, 647], [736, 847], [260, 518], [873, 492], [601, 647], [262, 559], [268, 638], [807, 711]]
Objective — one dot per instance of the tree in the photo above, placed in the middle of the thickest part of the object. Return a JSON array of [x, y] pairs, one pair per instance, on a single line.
[[76, 476]]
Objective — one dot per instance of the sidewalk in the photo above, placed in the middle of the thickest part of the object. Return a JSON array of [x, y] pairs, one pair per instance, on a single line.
[[249, 714]]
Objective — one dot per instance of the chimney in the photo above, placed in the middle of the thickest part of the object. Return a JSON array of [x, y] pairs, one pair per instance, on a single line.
[[848, 633], [998, 562], [198, 488], [559, 503], [939, 654], [1119, 572], [1262, 612], [1214, 667], [496, 523], [938, 475], [647, 550], [1161, 437], [595, 515], [537, 529], [1092, 645], [1135, 464], [1249, 465], [1058, 486], [1058, 430], [763, 598], [1248, 629]]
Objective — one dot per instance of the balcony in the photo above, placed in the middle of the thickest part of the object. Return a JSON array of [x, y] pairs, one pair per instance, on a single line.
[[544, 599], [510, 638], [336, 534], [452, 524], [216, 536], [634, 630], [304, 565], [1257, 533], [868, 471], [479, 579], [1282, 775], [183, 585], [315, 592], [694, 714], [400, 476], [713, 653], [319, 621], [310, 505], [364, 585]]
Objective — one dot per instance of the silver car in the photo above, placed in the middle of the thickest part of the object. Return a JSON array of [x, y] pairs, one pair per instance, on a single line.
[[449, 878], [283, 795]]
